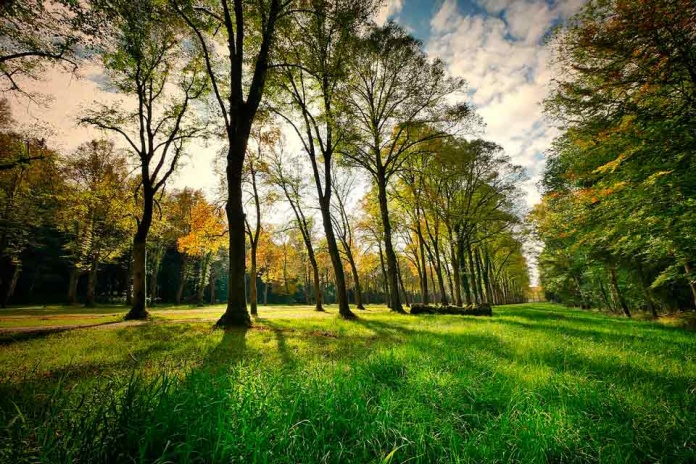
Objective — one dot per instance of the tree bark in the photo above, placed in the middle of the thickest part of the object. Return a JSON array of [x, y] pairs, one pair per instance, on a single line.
[[9, 280], [456, 272], [384, 276], [236, 313], [472, 275], [392, 272], [424, 277], [340, 280], [139, 308], [153, 282], [253, 287]]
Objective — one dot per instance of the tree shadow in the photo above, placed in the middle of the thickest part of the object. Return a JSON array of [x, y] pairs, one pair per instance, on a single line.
[[9, 336], [279, 333], [231, 350]]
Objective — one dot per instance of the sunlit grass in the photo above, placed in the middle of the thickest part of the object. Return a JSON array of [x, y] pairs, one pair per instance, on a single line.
[[534, 383]]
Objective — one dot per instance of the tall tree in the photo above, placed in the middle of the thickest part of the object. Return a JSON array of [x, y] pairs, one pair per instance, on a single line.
[[396, 101], [343, 223], [151, 62], [316, 57], [249, 31]]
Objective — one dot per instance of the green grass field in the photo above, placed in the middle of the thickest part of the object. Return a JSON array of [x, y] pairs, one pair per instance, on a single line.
[[534, 383]]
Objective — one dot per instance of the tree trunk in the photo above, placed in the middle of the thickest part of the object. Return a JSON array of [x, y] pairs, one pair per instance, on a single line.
[[619, 296], [461, 261], [236, 313], [356, 279], [139, 308], [456, 273], [384, 277], [253, 287], [318, 297], [472, 275], [401, 284], [424, 278], [480, 284], [154, 269], [392, 272], [10, 279], [72, 286], [90, 300], [337, 263], [610, 306], [129, 278]]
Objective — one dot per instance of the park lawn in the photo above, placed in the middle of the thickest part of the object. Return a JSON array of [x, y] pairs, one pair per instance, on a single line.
[[63, 316], [534, 383]]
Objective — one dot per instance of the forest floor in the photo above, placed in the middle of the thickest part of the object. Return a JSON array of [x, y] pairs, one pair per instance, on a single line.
[[533, 383]]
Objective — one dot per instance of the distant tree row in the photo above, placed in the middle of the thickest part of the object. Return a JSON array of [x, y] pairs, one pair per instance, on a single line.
[[618, 216]]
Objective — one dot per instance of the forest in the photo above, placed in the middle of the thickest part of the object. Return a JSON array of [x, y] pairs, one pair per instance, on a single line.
[[365, 280]]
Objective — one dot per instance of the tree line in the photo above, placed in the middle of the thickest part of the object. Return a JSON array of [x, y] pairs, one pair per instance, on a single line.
[[437, 218], [617, 215]]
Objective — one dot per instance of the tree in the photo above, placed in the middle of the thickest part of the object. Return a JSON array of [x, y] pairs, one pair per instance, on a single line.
[[396, 101], [343, 223], [95, 213], [249, 31], [316, 58], [285, 172], [152, 62], [620, 179], [255, 170]]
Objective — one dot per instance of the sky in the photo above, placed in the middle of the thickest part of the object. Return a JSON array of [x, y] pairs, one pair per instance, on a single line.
[[498, 47], [495, 45]]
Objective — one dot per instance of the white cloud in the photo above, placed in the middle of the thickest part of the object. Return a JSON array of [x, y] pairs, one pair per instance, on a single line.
[[389, 9], [499, 54]]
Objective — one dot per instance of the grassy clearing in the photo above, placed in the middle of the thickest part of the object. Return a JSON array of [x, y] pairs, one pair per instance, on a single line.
[[535, 383]]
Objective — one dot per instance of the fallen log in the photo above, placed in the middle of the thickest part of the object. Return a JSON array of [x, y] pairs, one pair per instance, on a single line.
[[483, 309]]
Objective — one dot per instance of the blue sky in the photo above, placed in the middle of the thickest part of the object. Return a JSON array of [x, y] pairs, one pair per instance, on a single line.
[[497, 46]]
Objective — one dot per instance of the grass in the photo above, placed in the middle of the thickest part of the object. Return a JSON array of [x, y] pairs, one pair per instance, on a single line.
[[534, 383]]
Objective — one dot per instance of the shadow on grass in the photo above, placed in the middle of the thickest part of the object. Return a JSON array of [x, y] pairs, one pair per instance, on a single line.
[[10, 336], [231, 350]]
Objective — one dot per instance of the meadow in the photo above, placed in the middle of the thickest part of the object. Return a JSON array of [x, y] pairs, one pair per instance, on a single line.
[[533, 383]]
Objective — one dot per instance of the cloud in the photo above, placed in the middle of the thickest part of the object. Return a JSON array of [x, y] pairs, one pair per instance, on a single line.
[[388, 10], [499, 53]]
